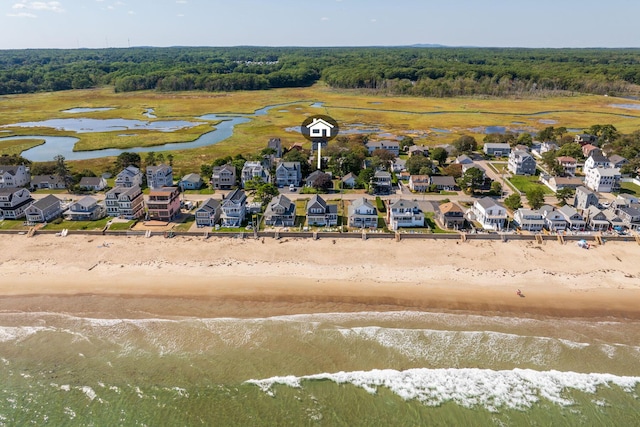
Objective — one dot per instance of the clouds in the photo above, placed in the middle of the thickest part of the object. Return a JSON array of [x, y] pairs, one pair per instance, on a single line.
[[27, 9]]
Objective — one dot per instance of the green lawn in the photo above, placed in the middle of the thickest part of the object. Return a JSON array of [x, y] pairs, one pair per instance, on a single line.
[[13, 224], [119, 226], [629, 188], [78, 225], [526, 183], [430, 221], [205, 191]]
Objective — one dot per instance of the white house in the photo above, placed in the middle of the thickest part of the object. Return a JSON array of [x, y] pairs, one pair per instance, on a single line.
[[568, 163], [159, 176], [129, 177], [14, 202], [362, 214], [86, 209], [234, 208], [319, 128], [252, 170], [529, 219], [14, 176], [92, 183], [490, 214], [391, 146], [553, 220], [404, 213], [603, 180]]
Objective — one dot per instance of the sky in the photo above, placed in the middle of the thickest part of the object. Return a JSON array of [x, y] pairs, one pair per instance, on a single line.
[[497, 23]]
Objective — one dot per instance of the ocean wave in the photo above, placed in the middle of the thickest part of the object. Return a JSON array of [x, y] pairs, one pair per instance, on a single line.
[[517, 389]]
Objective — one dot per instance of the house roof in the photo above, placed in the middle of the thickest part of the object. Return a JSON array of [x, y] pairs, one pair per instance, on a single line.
[[162, 191], [565, 159], [419, 178], [124, 191], [158, 168], [449, 207], [497, 145], [443, 180], [361, 201], [584, 190], [192, 177], [45, 202], [348, 177], [86, 201], [463, 159], [129, 170], [227, 167], [598, 157], [528, 212], [615, 158], [9, 191], [236, 195], [317, 199], [280, 200], [92, 181], [487, 202], [402, 203], [382, 174], [210, 205], [39, 179], [290, 165], [12, 169], [567, 211]]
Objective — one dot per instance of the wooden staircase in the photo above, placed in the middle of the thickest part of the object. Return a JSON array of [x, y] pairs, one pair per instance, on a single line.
[[539, 238], [561, 239]]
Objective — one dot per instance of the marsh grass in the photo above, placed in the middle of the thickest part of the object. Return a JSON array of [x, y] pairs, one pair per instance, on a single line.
[[18, 146]]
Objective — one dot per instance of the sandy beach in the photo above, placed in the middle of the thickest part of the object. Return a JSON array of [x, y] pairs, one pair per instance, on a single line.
[[137, 277]]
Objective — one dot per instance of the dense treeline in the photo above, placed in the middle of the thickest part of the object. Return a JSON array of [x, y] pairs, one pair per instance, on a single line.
[[414, 71]]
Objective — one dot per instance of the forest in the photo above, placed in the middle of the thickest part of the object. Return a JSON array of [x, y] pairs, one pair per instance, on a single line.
[[435, 72]]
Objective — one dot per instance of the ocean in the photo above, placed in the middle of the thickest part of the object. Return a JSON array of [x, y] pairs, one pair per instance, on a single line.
[[400, 368]]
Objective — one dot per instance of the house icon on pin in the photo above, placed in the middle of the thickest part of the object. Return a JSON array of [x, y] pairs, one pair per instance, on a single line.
[[319, 128]]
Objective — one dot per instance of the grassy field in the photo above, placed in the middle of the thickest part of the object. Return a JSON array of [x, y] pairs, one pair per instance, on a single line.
[[397, 115], [78, 225], [526, 183], [630, 188], [13, 224], [119, 226], [17, 147]]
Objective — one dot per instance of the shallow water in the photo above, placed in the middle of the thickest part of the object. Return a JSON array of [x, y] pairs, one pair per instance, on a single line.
[[368, 368]]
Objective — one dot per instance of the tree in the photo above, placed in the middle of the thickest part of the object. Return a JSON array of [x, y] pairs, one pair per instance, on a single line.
[[365, 176], [406, 142], [265, 192], [563, 194], [160, 158], [454, 170], [550, 162], [206, 170], [525, 138], [571, 149], [604, 133], [322, 182], [465, 144], [471, 179], [496, 188], [535, 197], [513, 202], [415, 163], [170, 159], [298, 156], [385, 156], [62, 171], [127, 159], [150, 159], [439, 155]]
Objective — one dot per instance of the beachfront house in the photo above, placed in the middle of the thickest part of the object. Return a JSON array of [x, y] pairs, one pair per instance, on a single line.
[[129, 177], [574, 220], [280, 212], [191, 181], [362, 214], [126, 203], [521, 163], [419, 183], [208, 214], [44, 210], [223, 177], [85, 209], [630, 216], [159, 176], [164, 203], [451, 216], [596, 219], [584, 198], [288, 173], [254, 170], [529, 219], [404, 213], [14, 176], [47, 182], [92, 183], [490, 214], [496, 149], [391, 146], [320, 213], [14, 202], [553, 220], [234, 208]]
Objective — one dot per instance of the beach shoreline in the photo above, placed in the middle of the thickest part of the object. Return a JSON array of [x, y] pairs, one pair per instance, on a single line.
[[190, 277]]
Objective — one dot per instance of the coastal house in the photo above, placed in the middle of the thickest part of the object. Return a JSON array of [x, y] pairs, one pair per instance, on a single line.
[[129, 177], [588, 149], [603, 180], [398, 165], [126, 203], [463, 159], [584, 198], [85, 209], [529, 219], [419, 183], [191, 181], [164, 203], [48, 182], [44, 210], [617, 161], [418, 150], [223, 177], [276, 145], [568, 164], [442, 183], [553, 220], [451, 216], [14, 176], [547, 146], [596, 219], [382, 182], [391, 146], [614, 220], [362, 214], [556, 183], [14, 202], [159, 176], [466, 166], [208, 214], [349, 180], [320, 213], [92, 183], [288, 173], [521, 163], [490, 214], [280, 212], [404, 213], [585, 138], [314, 176], [233, 209], [254, 170], [496, 149], [574, 220]]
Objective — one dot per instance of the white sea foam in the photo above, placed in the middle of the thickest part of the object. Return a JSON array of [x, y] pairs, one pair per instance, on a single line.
[[17, 333], [494, 390]]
